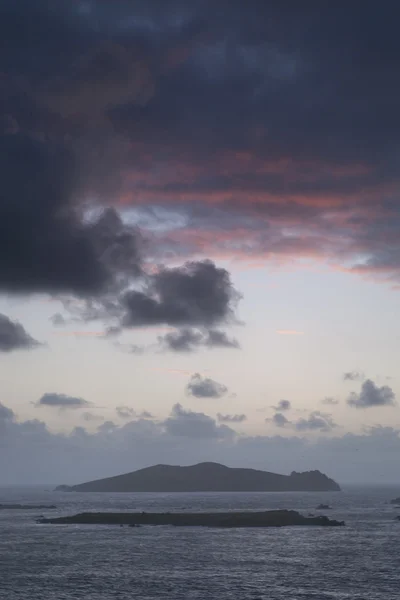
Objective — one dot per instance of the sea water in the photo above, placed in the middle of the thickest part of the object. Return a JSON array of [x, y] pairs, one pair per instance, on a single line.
[[69, 562]]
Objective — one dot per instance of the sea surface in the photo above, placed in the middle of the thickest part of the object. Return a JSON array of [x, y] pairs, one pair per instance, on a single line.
[[63, 562]]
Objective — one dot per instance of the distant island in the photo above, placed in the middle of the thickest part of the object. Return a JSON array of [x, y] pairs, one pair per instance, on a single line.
[[27, 506], [271, 518], [207, 477]]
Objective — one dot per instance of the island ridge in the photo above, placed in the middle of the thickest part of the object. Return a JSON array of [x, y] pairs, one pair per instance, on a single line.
[[207, 477]]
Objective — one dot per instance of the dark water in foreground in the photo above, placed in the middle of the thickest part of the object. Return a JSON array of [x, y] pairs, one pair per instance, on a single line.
[[47, 562]]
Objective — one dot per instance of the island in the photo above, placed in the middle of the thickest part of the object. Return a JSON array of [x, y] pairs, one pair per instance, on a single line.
[[271, 518], [207, 477]]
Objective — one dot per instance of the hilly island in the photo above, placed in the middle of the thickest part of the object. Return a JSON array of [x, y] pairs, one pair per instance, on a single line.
[[207, 477]]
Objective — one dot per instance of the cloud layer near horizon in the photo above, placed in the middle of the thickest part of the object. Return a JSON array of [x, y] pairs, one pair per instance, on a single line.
[[185, 437]]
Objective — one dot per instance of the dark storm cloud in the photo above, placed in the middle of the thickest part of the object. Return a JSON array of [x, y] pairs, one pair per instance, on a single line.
[[188, 340], [316, 421], [353, 376], [45, 245], [204, 387], [198, 293], [186, 423], [283, 405], [61, 401], [14, 337], [231, 418], [371, 395], [271, 112]]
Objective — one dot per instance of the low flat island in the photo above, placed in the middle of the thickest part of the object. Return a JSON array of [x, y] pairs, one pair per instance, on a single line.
[[271, 518], [27, 507]]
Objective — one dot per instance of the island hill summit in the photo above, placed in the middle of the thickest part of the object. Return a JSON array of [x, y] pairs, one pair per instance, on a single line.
[[207, 477]]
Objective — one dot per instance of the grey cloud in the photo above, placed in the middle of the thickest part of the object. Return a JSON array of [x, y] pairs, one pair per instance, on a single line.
[[204, 387], [279, 420], [58, 320], [61, 401], [197, 293], [283, 405], [330, 401], [186, 423], [188, 340], [371, 395], [366, 457], [219, 339], [107, 427], [231, 418], [44, 244], [6, 414], [184, 340], [127, 412], [145, 414], [73, 104], [353, 376], [14, 337], [316, 421], [91, 417]]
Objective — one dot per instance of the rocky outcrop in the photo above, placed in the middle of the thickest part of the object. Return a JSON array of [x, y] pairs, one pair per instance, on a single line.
[[207, 477], [272, 518]]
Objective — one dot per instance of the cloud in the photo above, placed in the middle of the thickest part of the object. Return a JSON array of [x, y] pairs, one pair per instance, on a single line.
[[186, 438], [330, 401], [92, 112], [126, 412], [14, 337], [283, 405], [371, 395], [188, 340], [184, 340], [204, 387], [186, 423], [279, 420], [61, 401], [198, 293], [316, 421], [91, 418], [231, 418], [6, 414], [52, 250], [58, 320], [219, 339], [354, 376]]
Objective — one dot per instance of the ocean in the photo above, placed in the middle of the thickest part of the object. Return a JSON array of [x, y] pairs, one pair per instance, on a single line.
[[47, 562]]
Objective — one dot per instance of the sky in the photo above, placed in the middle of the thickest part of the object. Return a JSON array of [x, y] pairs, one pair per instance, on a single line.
[[199, 237]]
